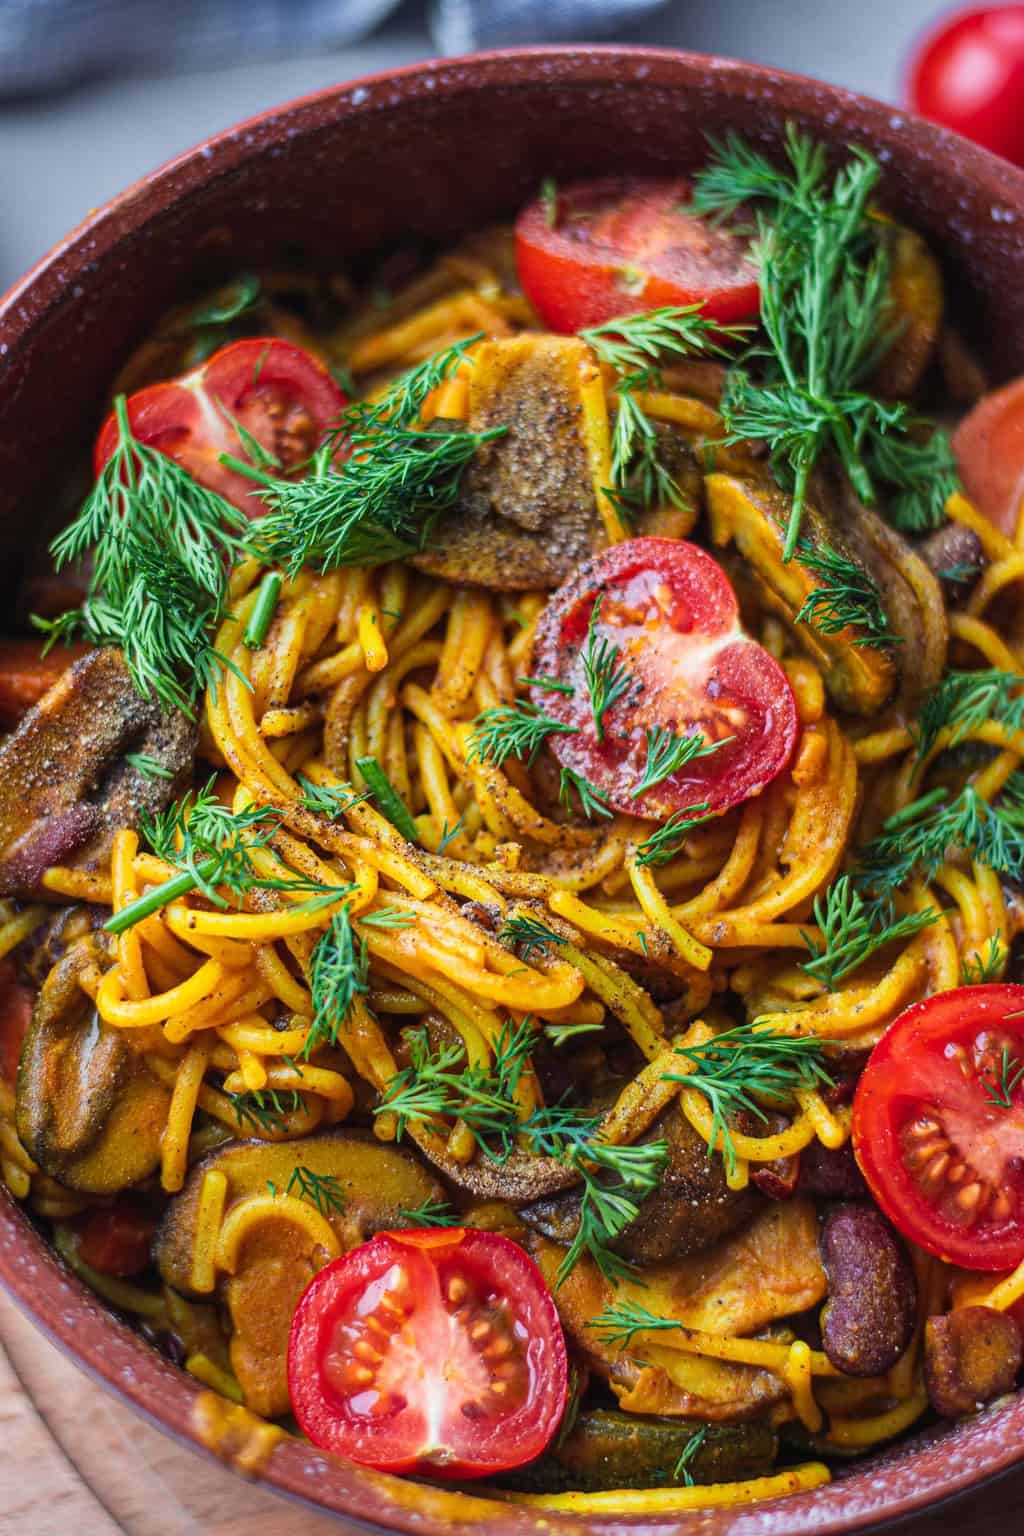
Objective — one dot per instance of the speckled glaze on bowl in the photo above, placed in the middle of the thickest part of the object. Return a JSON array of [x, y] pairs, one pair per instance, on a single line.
[[417, 157]]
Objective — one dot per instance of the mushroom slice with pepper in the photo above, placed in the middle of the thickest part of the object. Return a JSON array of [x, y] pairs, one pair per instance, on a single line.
[[691, 1210], [66, 785], [526, 514], [916, 303], [276, 1234], [847, 561], [88, 1109]]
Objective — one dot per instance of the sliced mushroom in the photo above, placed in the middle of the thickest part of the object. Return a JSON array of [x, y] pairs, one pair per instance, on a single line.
[[692, 1209], [526, 515], [65, 784], [88, 1109], [277, 1256], [859, 678], [916, 299]]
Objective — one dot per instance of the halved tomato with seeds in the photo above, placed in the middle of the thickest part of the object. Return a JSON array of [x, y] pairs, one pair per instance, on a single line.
[[623, 244], [263, 391], [663, 614], [431, 1350], [938, 1125]]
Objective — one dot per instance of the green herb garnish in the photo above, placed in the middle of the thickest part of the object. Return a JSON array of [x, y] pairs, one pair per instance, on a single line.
[[527, 934], [263, 612], [321, 1189], [592, 801], [963, 702], [389, 801], [512, 730], [667, 753], [665, 843], [975, 971], [854, 928]]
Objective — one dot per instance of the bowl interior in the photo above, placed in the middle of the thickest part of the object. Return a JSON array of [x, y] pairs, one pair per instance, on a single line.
[[415, 159]]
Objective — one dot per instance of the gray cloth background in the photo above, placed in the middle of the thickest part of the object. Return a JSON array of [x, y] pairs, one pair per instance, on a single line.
[[45, 44], [64, 152]]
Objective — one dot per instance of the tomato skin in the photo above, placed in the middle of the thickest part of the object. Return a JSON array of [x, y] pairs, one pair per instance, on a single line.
[[277, 391], [924, 1069], [968, 75], [573, 272], [16, 1003], [433, 1402], [989, 449], [116, 1239], [670, 609], [25, 675]]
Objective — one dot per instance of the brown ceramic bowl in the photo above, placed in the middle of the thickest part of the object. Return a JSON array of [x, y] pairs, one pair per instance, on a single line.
[[420, 156]]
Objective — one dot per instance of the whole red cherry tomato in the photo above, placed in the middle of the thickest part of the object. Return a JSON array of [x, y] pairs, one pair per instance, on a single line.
[[430, 1350], [968, 75], [263, 388], [663, 613], [938, 1125], [624, 244]]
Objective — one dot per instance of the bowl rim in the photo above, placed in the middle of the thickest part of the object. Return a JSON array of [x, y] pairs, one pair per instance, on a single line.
[[58, 1301]]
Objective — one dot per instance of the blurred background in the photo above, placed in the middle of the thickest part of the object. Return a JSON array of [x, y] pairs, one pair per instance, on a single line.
[[94, 93]]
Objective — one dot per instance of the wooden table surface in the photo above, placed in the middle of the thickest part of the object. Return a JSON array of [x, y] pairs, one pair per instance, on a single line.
[[75, 1462]]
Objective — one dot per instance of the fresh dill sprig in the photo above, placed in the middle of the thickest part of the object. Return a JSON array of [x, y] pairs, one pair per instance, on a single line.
[[549, 198], [681, 1470], [212, 848], [620, 1323], [846, 599], [439, 1084], [854, 928], [592, 801], [449, 834], [330, 800], [607, 676], [665, 843], [233, 301], [999, 1090], [667, 753], [636, 346], [826, 313], [512, 730], [320, 1189], [991, 833], [264, 1109], [548, 684], [149, 767], [528, 933], [742, 1065], [161, 545], [962, 702], [339, 971], [432, 1213], [380, 500], [977, 970], [607, 1208], [388, 917]]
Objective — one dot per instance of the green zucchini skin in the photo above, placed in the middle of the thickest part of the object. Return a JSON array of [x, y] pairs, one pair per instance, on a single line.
[[607, 1449]]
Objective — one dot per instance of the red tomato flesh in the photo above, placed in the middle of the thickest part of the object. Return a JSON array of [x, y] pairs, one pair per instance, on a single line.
[[116, 1240], [25, 675], [989, 449], [943, 1160], [271, 389], [669, 609], [621, 245], [434, 1350], [969, 76], [16, 1003]]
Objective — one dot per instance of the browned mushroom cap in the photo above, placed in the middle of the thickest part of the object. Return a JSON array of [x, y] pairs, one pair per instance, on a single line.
[[65, 785], [88, 1109], [692, 1208], [526, 515]]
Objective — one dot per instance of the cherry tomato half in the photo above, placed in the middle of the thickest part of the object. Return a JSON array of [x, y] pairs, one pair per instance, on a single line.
[[968, 75], [619, 245], [668, 608], [429, 1350], [989, 449], [116, 1239], [264, 388], [25, 674], [16, 1003], [938, 1125]]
